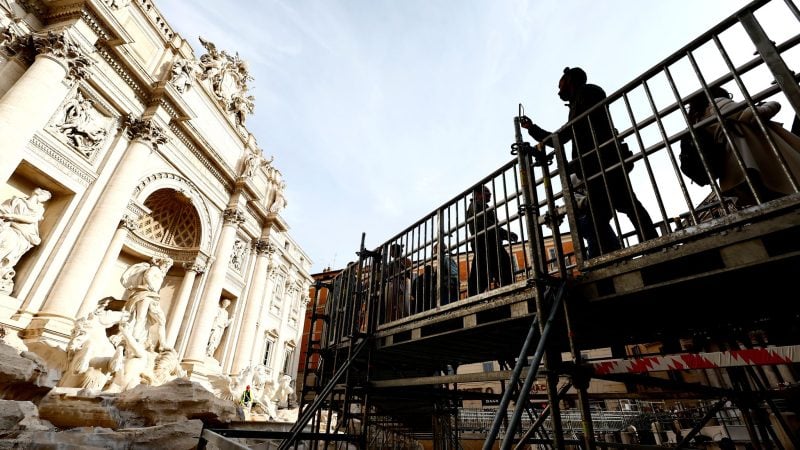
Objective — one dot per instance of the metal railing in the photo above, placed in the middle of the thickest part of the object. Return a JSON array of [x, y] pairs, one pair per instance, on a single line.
[[473, 243]]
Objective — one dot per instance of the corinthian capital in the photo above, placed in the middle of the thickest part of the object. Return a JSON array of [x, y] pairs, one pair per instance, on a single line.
[[61, 46], [194, 267], [232, 215], [263, 247], [145, 130]]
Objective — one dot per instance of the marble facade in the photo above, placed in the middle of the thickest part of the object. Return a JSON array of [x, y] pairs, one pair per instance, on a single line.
[[143, 149]]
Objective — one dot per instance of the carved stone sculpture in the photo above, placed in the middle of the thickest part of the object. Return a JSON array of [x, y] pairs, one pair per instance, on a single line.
[[253, 160], [147, 320], [227, 74], [19, 232], [263, 399], [242, 106], [90, 351], [221, 322], [129, 362], [79, 124], [284, 392], [184, 72], [167, 367], [280, 201], [237, 255]]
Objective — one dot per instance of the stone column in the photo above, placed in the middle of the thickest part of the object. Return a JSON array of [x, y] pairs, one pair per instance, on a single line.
[[101, 278], [252, 309], [209, 303], [178, 310], [31, 101], [87, 253]]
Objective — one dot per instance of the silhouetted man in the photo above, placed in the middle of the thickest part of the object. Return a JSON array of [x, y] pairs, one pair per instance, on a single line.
[[490, 260], [595, 128]]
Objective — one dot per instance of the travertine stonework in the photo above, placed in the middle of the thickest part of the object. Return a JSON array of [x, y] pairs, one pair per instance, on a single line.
[[135, 203]]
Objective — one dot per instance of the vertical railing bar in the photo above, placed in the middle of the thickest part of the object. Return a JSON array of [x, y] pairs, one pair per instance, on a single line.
[[675, 168], [781, 160]]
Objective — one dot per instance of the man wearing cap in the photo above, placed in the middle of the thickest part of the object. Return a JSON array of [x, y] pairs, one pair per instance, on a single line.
[[490, 261], [595, 128]]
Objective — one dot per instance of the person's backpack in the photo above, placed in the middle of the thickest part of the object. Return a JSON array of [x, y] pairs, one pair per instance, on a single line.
[[692, 165]]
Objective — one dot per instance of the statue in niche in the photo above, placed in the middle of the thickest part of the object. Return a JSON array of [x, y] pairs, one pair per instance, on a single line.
[[221, 322], [147, 320], [184, 71], [79, 125], [280, 201], [19, 232]]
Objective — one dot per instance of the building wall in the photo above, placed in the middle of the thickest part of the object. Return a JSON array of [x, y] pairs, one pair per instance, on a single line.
[[97, 109]]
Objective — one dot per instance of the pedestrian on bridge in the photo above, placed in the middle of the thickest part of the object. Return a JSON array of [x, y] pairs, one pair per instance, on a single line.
[[587, 134], [490, 262]]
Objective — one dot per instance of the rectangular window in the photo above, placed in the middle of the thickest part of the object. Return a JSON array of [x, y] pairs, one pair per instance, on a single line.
[[268, 350], [287, 361], [551, 256]]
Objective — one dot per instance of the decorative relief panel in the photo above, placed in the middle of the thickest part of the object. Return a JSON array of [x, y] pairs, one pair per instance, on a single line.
[[81, 126], [238, 255]]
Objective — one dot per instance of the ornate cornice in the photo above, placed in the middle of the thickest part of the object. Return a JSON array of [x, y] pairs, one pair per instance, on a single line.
[[177, 254], [145, 130], [233, 216], [118, 67], [184, 138], [64, 12], [35, 7], [154, 16], [82, 174], [129, 223], [103, 33]]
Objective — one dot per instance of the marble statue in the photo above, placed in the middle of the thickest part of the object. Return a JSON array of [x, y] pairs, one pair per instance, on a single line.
[[228, 75], [280, 201], [221, 322], [184, 71], [89, 351], [19, 232], [147, 320], [167, 367], [253, 161], [241, 106], [284, 391], [129, 362]]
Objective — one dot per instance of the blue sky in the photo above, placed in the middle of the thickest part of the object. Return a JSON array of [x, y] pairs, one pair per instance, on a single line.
[[379, 111]]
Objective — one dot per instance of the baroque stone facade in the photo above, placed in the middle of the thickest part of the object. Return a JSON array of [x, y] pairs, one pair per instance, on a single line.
[[141, 218]]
